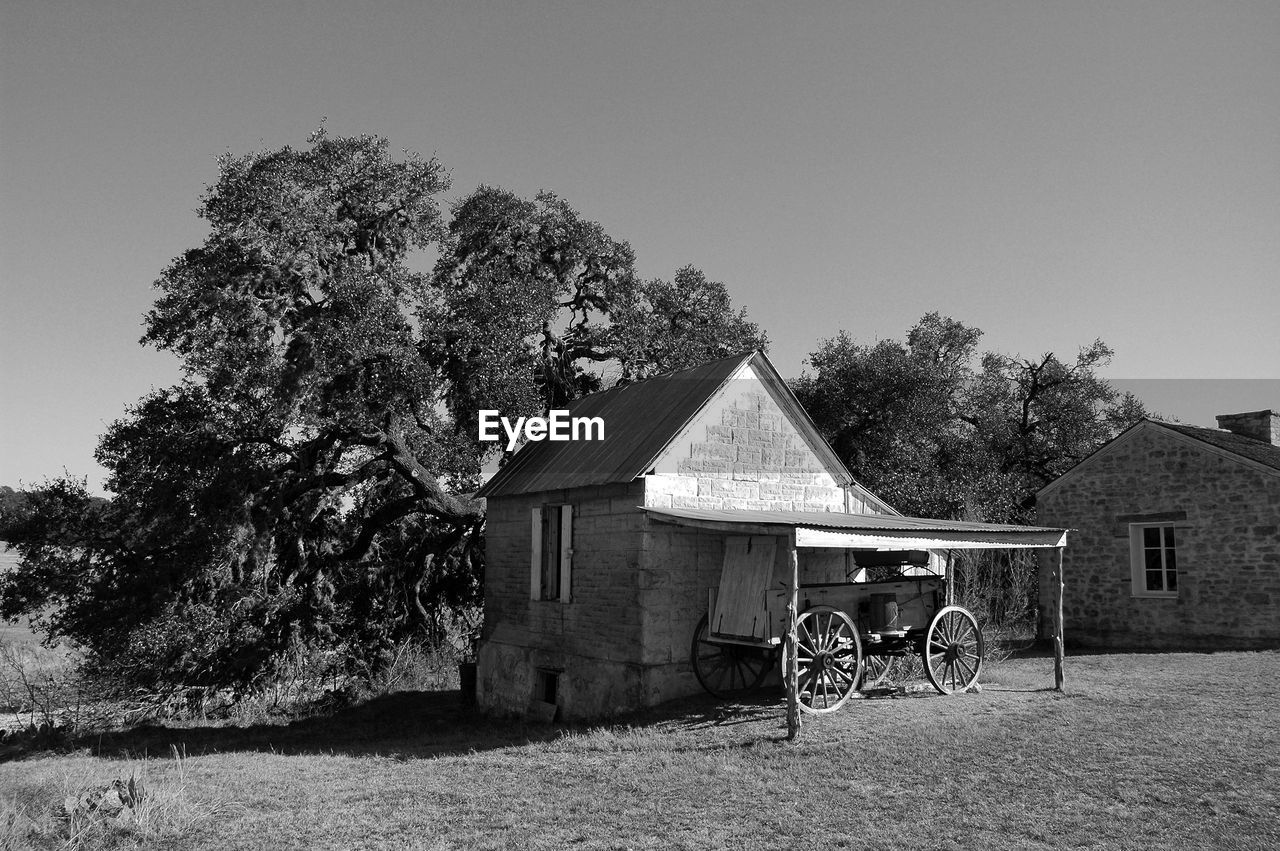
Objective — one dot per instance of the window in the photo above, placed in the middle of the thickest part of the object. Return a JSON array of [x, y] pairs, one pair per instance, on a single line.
[[546, 686], [1153, 560], [552, 553]]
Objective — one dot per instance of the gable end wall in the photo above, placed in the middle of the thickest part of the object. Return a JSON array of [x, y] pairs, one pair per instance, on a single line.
[[747, 455], [1228, 548]]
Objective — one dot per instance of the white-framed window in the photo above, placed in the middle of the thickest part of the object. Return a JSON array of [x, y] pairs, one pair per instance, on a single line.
[[551, 559], [1153, 557]]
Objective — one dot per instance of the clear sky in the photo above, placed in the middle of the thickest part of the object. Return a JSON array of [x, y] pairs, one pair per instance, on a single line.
[[1048, 172]]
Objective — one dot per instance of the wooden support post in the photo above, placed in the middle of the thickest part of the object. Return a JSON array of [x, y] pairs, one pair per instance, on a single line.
[[950, 571], [793, 641], [1058, 652]]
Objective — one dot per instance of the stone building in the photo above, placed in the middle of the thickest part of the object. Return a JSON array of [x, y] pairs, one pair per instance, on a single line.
[[1176, 537], [590, 605]]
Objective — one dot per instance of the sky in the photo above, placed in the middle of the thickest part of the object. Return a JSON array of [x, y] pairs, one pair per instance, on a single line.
[[1051, 173]]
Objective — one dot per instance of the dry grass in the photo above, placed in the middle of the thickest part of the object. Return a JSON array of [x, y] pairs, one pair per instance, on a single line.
[[146, 804], [1142, 751]]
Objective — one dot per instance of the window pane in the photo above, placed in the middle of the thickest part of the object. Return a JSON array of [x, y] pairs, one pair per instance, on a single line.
[[1172, 579], [1153, 559], [1168, 537], [1154, 581], [1170, 561], [1151, 536]]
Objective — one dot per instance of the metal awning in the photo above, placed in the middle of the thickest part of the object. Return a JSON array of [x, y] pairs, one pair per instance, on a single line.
[[873, 532], [864, 531]]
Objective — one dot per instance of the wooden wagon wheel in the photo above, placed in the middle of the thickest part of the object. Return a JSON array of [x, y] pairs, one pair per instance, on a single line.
[[727, 670], [953, 650], [829, 659], [875, 669]]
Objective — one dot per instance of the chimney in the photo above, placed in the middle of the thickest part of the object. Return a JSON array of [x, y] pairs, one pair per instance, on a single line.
[[1260, 425]]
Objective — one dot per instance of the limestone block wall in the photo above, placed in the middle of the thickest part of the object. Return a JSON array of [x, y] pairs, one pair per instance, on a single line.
[[592, 640], [752, 457], [680, 564], [1228, 548]]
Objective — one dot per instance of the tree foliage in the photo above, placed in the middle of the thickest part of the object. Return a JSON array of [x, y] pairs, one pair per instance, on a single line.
[[10, 502], [306, 486], [937, 435], [514, 271], [671, 325]]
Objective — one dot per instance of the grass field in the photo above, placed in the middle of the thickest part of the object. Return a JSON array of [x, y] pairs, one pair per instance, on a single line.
[[1141, 751]]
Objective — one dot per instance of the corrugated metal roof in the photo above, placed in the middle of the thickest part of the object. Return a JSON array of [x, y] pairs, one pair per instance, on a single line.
[[640, 419], [838, 521]]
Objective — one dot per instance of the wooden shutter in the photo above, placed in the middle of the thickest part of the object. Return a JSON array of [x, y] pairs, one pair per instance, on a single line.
[[739, 609], [535, 557], [566, 551]]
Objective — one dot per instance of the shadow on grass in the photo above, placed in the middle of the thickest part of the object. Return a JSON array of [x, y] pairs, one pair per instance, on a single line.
[[425, 724], [407, 725], [412, 725]]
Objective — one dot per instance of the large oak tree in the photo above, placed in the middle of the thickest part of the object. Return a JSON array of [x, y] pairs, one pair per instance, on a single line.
[[305, 489]]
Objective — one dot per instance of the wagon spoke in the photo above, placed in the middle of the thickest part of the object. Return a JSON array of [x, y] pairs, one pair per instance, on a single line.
[[808, 680], [875, 669], [809, 641]]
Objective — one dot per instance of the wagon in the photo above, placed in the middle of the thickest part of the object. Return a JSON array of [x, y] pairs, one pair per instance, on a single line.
[[889, 604]]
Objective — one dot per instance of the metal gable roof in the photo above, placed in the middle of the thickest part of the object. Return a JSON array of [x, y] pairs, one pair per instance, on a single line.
[[641, 419]]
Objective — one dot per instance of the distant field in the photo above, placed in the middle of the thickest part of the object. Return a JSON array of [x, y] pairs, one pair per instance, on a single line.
[[19, 633], [1142, 751]]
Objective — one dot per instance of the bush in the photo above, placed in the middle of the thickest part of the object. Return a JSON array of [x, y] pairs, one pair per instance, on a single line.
[[1001, 588]]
